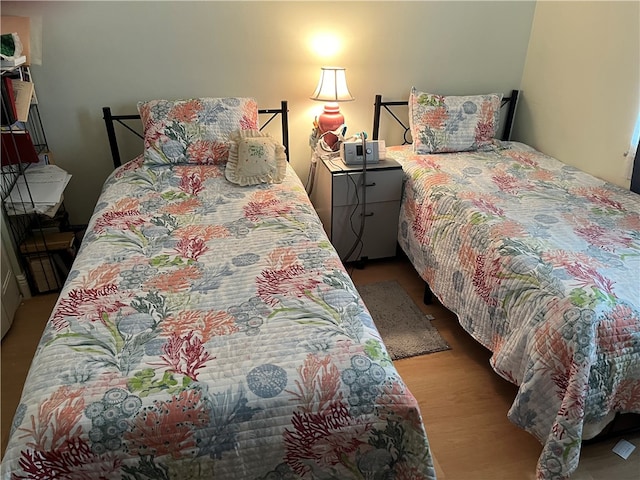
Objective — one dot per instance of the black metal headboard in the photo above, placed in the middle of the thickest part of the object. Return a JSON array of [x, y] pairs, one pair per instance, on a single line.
[[510, 102], [110, 121]]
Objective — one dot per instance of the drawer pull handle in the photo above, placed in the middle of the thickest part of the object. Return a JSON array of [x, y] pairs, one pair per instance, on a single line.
[[370, 184], [367, 214]]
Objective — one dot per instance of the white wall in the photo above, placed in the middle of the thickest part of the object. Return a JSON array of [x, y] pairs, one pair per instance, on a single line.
[[581, 85], [117, 53]]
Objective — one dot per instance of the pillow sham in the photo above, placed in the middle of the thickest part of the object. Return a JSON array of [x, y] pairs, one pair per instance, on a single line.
[[195, 130], [452, 123], [255, 157]]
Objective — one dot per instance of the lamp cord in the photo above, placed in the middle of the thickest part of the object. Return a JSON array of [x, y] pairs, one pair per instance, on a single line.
[[322, 151]]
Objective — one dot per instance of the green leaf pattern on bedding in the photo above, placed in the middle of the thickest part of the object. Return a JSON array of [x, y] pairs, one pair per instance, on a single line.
[[541, 263], [209, 330]]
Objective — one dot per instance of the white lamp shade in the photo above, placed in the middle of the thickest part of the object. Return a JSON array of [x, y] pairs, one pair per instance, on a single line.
[[332, 86]]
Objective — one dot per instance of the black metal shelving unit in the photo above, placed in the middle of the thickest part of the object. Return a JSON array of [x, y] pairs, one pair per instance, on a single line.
[[35, 236]]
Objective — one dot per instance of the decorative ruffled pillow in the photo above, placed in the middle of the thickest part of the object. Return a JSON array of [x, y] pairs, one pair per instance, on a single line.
[[255, 157], [452, 123], [195, 130]]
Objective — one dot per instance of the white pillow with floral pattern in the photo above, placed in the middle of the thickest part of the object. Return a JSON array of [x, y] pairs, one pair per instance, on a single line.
[[194, 131], [441, 123]]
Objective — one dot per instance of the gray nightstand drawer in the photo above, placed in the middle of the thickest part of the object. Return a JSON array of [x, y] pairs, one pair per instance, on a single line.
[[382, 186], [380, 230], [337, 198]]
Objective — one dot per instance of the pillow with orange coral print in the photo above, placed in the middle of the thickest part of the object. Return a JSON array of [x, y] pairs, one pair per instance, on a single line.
[[442, 124], [194, 131]]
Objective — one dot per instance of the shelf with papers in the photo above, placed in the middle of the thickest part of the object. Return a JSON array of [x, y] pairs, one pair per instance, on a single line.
[[39, 189], [32, 189]]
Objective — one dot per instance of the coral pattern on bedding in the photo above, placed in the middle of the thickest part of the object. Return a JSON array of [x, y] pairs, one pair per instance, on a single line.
[[195, 130], [209, 330], [541, 264], [445, 123]]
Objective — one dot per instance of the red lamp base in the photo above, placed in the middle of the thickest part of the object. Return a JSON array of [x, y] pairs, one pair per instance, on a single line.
[[330, 119]]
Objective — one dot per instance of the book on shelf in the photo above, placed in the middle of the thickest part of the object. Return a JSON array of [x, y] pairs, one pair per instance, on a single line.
[[17, 148], [9, 111], [22, 92], [40, 242], [44, 273]]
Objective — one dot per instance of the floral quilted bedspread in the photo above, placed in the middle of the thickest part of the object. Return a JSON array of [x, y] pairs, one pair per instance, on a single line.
[[209, 330], [541, 264]]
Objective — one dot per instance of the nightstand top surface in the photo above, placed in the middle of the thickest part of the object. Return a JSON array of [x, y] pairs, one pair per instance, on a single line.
[[336, 165]]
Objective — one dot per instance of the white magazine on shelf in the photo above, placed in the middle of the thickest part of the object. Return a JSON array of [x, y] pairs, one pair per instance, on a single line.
[[39, 189]]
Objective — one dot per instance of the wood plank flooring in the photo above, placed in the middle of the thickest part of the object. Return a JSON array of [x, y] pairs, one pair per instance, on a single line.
[[463, 402]]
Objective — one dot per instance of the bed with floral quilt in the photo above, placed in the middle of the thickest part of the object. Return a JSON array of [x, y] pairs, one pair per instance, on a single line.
[[541, 264], [209, 330]]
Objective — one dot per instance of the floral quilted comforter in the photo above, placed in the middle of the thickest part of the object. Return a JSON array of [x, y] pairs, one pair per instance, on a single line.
[[209, 330], [541, 264]]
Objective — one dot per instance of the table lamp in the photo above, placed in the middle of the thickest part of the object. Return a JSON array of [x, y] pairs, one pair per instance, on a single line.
[[332, 88]]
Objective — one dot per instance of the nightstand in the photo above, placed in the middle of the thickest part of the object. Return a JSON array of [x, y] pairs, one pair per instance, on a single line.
[[338, 196]]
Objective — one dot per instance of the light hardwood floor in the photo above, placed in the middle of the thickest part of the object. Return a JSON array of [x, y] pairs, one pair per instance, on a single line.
[[463, 402]]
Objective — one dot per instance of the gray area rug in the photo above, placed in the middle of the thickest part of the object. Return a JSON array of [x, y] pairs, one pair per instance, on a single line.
[[405, 329]]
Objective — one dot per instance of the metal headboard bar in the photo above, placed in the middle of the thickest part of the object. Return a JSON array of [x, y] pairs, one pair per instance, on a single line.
[[110, 120], [379, 105], [376, 117], [284, 122], [511, 113]]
